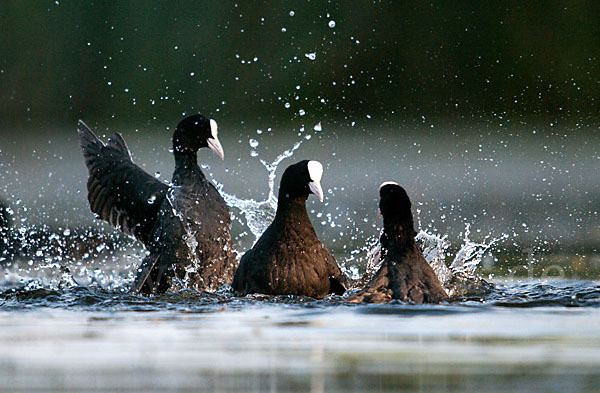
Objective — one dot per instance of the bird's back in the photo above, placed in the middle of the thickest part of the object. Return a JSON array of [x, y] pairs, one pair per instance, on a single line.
[[404, 275]]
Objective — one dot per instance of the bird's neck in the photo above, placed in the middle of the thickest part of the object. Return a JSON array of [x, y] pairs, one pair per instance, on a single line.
[[398, 235], [187, 170], [292, 209]]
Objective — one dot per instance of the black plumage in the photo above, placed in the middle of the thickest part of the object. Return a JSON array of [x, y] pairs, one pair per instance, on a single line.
[[404, 273], [184, 225], [289, 259]]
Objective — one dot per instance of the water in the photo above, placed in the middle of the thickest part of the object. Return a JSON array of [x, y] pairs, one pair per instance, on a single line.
[[67, 322], [526, 337]]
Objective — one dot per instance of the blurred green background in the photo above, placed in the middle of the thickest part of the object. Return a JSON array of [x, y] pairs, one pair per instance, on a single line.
[[394, 60], [487, 112]]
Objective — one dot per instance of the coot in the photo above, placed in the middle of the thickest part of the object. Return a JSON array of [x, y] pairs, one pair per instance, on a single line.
[[185, 225], [404, 273], [289, 259]]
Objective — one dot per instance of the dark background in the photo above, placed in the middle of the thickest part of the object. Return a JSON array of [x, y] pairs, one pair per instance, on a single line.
[[487, 112], [152, 60]]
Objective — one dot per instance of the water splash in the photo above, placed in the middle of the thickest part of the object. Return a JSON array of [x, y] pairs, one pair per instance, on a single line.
[[434, 248], [460, 278], [39, 256], [258, 215], [470, 254]]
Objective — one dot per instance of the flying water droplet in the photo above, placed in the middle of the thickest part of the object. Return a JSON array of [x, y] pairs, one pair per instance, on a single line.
[[331, 24], [318, 127], [311, 56], [253, 143]]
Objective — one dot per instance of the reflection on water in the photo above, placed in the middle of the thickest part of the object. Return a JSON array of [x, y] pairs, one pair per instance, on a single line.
[[87, 339]]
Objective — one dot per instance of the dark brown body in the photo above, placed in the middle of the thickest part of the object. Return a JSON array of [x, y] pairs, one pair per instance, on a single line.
[[404, 276], [191, 246], [289, 259], [404, 273]]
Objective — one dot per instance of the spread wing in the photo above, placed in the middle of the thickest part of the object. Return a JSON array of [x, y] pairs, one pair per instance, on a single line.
[[119, 191]]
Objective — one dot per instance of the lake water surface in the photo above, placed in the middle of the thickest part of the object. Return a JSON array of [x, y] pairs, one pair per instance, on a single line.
[[529, 336]]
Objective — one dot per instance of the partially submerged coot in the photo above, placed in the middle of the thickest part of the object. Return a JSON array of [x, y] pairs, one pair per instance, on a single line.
[[404, 273]]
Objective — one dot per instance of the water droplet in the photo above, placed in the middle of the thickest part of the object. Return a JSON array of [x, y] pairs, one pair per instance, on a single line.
[[192, 73], [67, 232], [318, 127], [287, 105], [253, 143], [152, 199], [311, 56], [157, 174], [253, 153], [292, 13], [301, 112], [331, 24]]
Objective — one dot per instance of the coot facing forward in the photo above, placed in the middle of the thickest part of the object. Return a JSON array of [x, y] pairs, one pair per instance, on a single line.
[[289, 259]]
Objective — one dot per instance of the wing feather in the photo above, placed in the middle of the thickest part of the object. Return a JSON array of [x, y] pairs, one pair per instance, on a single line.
[[119, 191]]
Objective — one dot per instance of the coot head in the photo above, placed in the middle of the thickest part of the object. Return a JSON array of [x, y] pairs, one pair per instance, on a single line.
[[301, 179], [394, 203], [195, 132]]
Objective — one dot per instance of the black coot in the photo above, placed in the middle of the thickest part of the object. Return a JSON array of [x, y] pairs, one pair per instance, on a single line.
[[404, 273], [185, 225], [289, 259]]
